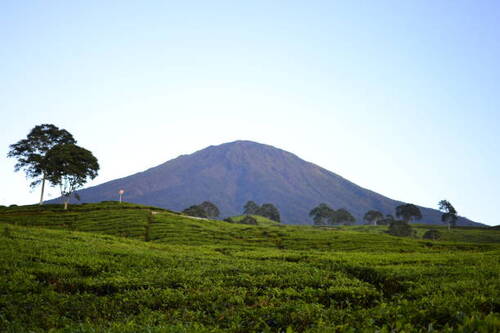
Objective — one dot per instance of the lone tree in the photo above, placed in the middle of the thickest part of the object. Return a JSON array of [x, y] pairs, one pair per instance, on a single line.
[[195, 211], [210, 209], [449, 213], [205, 210], [373, 217], [270, 211], [31, 153], [70, 167], [251, 208], [342, 216], [408, 212], [321, 214]]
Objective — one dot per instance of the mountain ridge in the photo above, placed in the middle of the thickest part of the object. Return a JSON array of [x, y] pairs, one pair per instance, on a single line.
[[232, 173]]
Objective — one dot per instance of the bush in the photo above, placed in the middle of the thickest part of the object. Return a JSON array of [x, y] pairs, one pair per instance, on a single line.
[[248, 220], [432, 234], [400, 229]]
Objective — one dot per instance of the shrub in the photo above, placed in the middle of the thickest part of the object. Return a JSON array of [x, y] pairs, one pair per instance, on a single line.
[[400, 229], [432, 234], [248, 220]]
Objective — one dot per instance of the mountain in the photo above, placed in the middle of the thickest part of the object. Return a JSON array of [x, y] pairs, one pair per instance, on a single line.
[[230, 174]]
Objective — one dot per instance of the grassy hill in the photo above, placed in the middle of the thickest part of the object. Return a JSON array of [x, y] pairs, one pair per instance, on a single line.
[[131, 268]]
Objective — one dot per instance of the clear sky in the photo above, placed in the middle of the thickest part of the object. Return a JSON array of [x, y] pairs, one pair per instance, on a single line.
[[401, 97]]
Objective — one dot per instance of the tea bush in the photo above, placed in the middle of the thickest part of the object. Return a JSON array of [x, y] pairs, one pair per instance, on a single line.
[[213, 276]]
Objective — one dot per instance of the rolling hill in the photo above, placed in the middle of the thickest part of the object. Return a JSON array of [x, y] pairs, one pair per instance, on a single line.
[[232, 173], [111, 267]]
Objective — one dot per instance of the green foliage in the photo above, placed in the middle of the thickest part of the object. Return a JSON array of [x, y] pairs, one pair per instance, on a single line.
[[210, 209], [248, 220], [449, 216], [400, 229], [195, 211], [373, 216], [261, 220], [251, 208], [432, 234], [386, 220], [31, 152], [70, 167], [197, 275], [322, 214], [266, 210], [204, 210], [408, 212], [343, 216]]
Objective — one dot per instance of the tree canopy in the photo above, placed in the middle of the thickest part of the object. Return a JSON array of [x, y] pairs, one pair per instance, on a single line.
[[321, 214], [408, 212], [70, 167], [31, 152], [211, 210], [206, 209], [251, 208], [343, 216], [270, 211], [195, 211], [400, 228], [266, 210], [449, 215], [373, 216]]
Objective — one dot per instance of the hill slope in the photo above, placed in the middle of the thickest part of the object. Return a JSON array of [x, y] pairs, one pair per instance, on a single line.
[[198, 275], [233, 173]]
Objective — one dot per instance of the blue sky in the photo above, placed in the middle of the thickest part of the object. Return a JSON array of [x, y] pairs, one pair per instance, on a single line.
[[401, 97]]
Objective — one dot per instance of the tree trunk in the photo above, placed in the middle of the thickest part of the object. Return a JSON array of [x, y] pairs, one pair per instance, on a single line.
[[449, 226], [43, 188], [66, 203]]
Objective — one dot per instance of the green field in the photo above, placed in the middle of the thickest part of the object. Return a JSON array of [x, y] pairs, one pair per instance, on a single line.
[[129, 268]]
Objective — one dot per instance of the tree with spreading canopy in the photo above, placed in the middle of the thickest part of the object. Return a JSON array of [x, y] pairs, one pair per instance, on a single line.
[[342, 216], [449, 213], [70, 167], [211, 210], [270, 211], [321, 214], [195, 211], [251, 208], [205, 210], [31, 153], [373, 217], [408, 212]]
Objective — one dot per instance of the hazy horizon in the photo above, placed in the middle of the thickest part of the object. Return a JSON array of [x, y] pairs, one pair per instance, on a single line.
[[401, 98]]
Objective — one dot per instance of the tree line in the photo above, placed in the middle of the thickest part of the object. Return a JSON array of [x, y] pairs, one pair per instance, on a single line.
[[406, 213], [208, 209]]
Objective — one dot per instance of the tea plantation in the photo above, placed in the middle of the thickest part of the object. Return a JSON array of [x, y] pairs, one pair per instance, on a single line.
[[113, 267]]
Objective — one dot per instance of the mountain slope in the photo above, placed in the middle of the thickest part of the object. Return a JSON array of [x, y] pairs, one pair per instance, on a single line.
[[233, 173]]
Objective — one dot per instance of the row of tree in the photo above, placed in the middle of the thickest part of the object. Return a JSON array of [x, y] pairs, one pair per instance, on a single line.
[[266, 210], [409, 212], [324, 215], [49, 154]]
